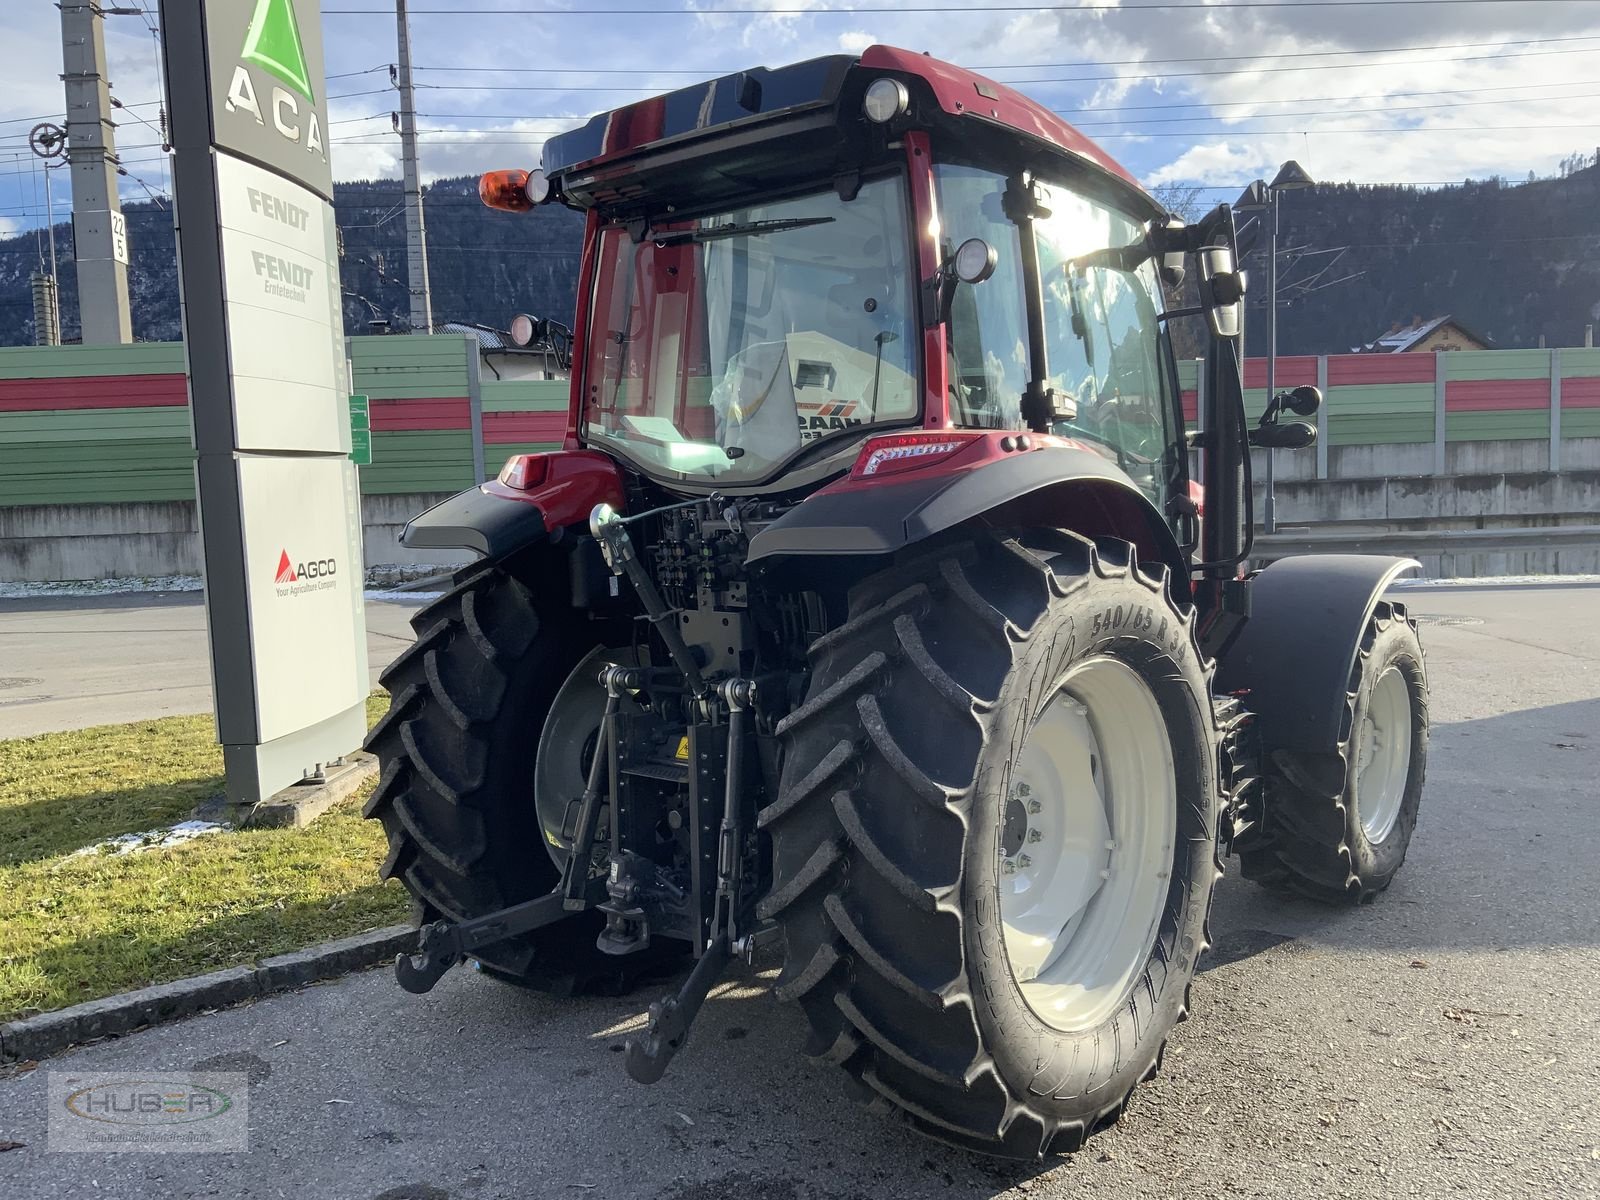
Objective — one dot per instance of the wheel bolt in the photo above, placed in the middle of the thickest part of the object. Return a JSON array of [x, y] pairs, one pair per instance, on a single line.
[[1024, 861], [1035, 807], [1024, 790], [1035, 835], [1007, 867]]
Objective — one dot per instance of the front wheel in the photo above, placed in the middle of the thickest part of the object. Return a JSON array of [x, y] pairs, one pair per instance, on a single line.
[[1337, 829], [995, 837]]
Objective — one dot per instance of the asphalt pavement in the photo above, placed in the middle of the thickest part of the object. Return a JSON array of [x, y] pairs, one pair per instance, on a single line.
[[1442, 1042], [72, 662]]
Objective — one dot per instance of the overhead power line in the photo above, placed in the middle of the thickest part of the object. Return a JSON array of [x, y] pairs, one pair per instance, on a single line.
[[713, 72], [1108, 6], [648, 89], [1101, 108], [486, 140], [1326, 112]]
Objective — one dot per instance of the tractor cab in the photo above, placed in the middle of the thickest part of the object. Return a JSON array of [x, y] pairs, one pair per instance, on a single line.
[[775, 276]]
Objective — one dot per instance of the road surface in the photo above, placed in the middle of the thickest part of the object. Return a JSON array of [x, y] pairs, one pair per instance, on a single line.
[[1442, 1042], [72, 662]]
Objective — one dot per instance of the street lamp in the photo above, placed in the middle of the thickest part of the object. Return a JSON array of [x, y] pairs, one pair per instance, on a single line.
[[1262, 197]]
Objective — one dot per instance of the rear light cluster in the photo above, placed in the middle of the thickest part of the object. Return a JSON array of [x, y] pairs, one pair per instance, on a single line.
[[899, 452], [524, 472]]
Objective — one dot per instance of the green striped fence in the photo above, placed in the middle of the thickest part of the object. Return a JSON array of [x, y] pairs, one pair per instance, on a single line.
[[107, 424], [1434, 400]]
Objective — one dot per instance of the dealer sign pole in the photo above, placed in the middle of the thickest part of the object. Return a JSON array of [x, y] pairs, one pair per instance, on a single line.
[[280, 513]]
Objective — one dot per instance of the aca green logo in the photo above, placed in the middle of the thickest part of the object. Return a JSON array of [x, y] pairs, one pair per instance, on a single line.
[[272, 42]]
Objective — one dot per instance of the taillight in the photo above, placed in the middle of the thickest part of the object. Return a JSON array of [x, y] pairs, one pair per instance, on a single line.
[[505, 190], [897, 452], [525, 472]]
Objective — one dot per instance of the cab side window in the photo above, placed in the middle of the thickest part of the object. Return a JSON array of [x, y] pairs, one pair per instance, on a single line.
[[988, 322]]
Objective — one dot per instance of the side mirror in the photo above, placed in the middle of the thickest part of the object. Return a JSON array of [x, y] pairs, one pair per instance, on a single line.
[[1304, 400], [1221, 291], [1296, 435]]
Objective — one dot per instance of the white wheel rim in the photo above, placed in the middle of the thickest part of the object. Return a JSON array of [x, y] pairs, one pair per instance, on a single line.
[[1087, 845], [1383, 755]]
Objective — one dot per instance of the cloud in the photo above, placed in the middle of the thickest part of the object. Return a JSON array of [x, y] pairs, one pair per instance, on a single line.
[[1091, 64], [1215, 163]]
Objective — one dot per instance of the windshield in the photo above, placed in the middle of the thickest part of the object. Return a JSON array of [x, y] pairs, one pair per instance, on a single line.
[[1102, 334], [721, 348]]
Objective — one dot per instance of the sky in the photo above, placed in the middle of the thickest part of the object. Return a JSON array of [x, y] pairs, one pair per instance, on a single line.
[[1208, 93]]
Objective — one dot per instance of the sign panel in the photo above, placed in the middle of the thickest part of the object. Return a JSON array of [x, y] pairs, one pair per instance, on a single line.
[[360, 431], [280, 512], [285, 328], [268, 98], [302, 547], [119, 237]]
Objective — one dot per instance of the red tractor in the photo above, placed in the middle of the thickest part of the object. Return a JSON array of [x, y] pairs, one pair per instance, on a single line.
[[869, 610]]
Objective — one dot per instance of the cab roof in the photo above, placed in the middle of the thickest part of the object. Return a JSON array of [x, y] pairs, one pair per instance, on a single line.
[[762, 94]]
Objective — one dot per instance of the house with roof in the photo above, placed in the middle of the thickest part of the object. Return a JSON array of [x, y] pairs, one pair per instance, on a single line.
[[1438, 333]]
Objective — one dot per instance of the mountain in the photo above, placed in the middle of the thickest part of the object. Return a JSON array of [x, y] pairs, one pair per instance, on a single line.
[[1513, 262], [483, 266]]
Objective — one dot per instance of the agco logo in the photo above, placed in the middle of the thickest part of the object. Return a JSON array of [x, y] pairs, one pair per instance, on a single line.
[[290, 571], [272, 42]]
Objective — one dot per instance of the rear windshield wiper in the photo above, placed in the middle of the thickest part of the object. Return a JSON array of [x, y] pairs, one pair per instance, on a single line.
[[712, 233]]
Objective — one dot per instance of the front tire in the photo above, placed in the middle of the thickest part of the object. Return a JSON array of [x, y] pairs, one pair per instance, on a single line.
[[1337, 828], [898, 839]]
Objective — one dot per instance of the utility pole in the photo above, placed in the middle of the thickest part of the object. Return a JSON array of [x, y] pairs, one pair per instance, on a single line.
[[1262, 198], [416, 229], [100, 235]]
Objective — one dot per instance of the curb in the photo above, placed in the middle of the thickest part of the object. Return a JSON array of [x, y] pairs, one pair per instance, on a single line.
[[299, 804], [50, 1033]]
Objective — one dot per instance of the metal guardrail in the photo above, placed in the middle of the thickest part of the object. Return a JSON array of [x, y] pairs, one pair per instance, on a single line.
[[1426, 541]]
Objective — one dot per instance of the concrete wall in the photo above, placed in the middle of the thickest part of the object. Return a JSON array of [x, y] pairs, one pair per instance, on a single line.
[[1508, 499], [1437, 505], [52, 542]]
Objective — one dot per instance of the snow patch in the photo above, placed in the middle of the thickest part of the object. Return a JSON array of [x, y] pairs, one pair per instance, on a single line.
[[153, 839], [383, 580], [101, 587], [394, 597], [1495, 581]]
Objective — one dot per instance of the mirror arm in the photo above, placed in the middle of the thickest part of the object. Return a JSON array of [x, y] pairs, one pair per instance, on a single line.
[[1176, 313], [938, 291]]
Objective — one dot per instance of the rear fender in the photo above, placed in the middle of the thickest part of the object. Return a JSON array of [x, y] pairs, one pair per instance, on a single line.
[[495, 519], [1055, 485], [1292, 661]]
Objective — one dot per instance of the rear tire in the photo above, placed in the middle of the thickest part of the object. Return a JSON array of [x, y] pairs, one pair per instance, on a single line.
[[893, 822], [455, 794], [1337, 829]]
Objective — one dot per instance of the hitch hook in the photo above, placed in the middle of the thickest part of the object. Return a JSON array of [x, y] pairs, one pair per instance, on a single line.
[[670, 1017]]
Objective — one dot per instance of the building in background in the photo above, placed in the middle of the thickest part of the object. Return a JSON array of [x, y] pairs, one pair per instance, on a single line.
[[1439, 333]]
